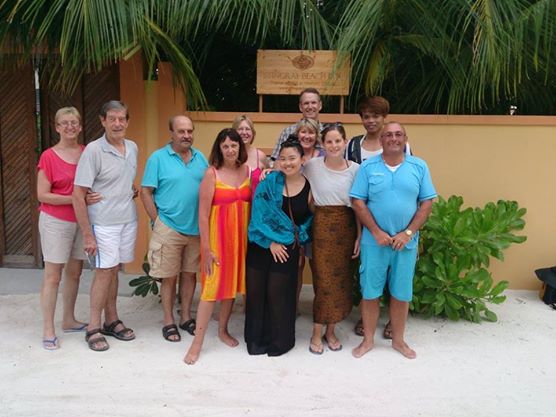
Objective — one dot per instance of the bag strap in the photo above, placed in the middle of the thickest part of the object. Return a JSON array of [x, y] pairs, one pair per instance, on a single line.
[[355, 149], [295, 232]]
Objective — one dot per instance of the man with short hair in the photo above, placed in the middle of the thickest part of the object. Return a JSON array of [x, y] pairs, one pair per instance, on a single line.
[[310, 105], [170, 195], [373, 111], [107, 166], [392, 196]]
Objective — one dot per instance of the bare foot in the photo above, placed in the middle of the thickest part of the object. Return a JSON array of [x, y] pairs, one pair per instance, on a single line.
[[227, 339], [192, 354], [363, 348], [405, 350]]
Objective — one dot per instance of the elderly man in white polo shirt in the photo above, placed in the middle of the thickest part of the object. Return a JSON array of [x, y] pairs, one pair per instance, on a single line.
[[107, 166]]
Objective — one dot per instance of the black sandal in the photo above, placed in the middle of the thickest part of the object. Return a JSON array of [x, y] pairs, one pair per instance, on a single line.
[[169, 331], [120, 334], [93, 341], [189, 326]]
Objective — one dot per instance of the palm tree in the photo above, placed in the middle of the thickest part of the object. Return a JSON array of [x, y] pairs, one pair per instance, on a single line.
[[452, 55], [74, 37]]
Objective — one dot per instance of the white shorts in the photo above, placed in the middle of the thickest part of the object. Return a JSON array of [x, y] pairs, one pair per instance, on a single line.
[[115, 244], [60, 239]]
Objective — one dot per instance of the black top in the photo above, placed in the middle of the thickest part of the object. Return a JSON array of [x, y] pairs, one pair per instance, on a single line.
[[299, 204]]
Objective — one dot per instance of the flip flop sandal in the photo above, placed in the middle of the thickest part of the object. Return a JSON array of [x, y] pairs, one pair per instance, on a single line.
[[314, 351], [189, 326], [169, 331], [77, 329], [333, 349], [120, 334], [92, 342], [50, 344], [387, 333]]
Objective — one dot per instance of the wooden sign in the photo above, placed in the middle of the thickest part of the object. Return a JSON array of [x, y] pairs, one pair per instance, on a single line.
[[288, 72]]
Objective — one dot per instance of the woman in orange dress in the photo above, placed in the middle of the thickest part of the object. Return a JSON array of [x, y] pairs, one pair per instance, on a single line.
[[224, 207]]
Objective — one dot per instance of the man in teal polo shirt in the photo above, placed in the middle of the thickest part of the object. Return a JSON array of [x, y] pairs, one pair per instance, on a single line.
[[170, 195], [392, 196]]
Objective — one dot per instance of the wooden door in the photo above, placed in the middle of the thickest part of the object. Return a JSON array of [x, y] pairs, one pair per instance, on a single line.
[[19, 245]]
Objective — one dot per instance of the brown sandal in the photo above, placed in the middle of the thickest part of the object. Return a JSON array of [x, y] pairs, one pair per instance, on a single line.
[[110, 330], [92, 342], [169, 331]]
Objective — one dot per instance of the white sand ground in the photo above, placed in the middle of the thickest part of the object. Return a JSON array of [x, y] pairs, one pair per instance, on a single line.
[[462, 369]]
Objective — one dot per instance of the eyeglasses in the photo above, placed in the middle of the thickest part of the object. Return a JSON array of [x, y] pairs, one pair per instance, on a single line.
[[66, 123], [328, 126], [390, 135]]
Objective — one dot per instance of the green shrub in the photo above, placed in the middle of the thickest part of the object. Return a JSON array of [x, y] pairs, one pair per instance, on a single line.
[[451, 276], [145, 284]]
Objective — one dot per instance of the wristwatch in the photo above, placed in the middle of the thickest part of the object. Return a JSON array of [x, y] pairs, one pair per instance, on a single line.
[[408, 233]]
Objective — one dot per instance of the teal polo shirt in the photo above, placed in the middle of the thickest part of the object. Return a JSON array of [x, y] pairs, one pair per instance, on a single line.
[[392, 197], [176, 187]]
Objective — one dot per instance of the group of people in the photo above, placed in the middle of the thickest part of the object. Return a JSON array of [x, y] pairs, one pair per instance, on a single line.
[[243, 224]]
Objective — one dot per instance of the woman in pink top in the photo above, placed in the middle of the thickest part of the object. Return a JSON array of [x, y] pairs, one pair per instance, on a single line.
[[256, 159], [61, 240]]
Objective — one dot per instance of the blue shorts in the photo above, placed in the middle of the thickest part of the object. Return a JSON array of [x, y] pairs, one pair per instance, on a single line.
[[379, 263]]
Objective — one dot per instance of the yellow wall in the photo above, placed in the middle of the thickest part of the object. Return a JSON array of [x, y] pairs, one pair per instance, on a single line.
[[482, 158]]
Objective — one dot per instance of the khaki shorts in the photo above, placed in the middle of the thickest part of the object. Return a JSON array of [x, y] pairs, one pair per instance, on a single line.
[[171, 252], [60, 240]]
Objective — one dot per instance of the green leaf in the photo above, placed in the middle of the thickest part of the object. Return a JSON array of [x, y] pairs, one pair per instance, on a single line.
[[498, 300], [138, 281], [430, 282], [499, 288], [451, 313], [490, 316], [453, 302], [145, 288], [438, 308]]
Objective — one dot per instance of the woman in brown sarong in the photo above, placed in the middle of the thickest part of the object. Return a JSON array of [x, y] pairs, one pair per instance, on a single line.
[[336, 237]]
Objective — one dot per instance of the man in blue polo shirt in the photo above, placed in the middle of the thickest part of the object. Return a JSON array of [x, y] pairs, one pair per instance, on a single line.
[[170, 194], [392, 196]]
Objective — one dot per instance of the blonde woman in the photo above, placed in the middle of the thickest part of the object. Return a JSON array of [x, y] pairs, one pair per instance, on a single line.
[[61, 240], [256, 159], [308, 133]]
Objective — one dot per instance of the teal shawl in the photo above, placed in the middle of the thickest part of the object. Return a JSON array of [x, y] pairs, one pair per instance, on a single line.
[[269, 223]]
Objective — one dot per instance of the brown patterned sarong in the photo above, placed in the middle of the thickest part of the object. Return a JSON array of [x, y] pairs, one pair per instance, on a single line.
[[334, 234]]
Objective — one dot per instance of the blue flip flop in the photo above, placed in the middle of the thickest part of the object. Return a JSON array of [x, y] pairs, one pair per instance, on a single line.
[[50, 344], [77, 329]]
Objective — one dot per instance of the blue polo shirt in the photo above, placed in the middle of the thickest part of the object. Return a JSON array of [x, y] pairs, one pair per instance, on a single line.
[[392, 197], [176, 187]]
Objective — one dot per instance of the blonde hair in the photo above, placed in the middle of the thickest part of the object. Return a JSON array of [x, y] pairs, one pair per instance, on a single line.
[[244, 118], [309, 124], [65, 111]]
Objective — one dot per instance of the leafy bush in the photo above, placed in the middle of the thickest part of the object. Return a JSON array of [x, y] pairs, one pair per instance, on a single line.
[[451, 276], [145, 284]]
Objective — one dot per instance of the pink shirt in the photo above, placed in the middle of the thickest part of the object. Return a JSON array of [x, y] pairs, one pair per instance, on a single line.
[[60, 174]]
